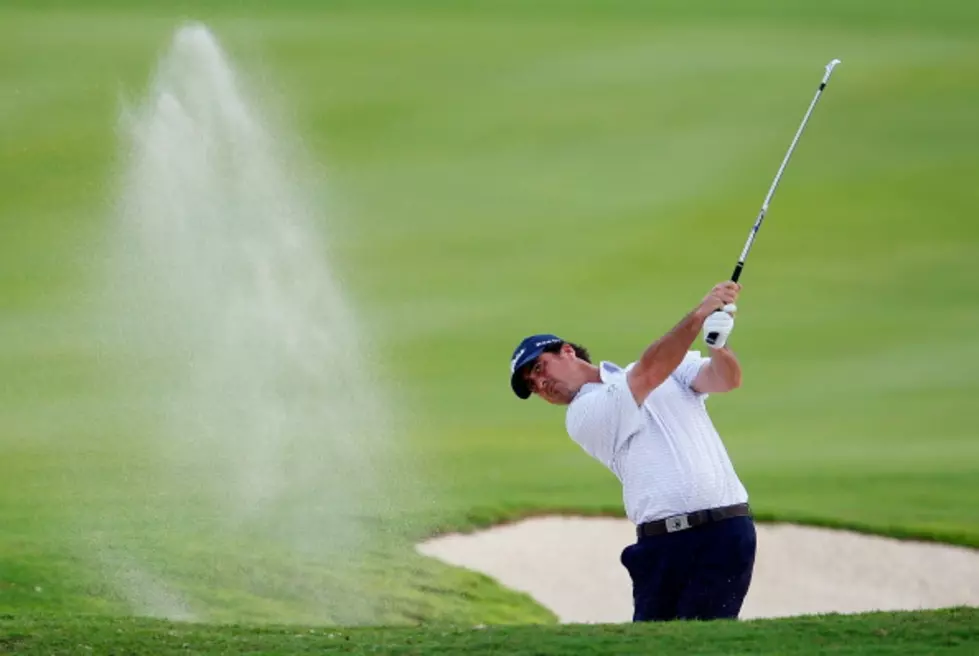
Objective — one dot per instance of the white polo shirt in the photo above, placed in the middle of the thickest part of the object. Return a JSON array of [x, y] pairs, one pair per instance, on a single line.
[[666, 452]]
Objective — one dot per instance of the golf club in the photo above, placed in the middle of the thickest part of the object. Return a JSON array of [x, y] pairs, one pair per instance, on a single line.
[[712, 337]]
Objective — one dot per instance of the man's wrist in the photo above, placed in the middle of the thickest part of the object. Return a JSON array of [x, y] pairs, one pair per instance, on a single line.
[[701, 313]]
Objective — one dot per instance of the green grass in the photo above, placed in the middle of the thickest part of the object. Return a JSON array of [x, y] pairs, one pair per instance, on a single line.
[[951, 631], [586, 168]]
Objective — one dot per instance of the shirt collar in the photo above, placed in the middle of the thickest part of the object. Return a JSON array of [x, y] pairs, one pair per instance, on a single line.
[[608, 371]]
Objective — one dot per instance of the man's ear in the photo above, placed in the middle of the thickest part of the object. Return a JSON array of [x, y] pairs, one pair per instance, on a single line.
[[567, 350]]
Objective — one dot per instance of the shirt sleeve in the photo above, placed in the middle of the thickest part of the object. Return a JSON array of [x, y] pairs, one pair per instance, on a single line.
[[689, 367], [602, 421]]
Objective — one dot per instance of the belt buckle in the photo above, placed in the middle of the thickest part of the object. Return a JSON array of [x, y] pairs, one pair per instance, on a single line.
[[678, 523]]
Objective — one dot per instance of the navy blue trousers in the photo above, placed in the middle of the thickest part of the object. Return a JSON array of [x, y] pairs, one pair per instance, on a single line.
[[702, 573]]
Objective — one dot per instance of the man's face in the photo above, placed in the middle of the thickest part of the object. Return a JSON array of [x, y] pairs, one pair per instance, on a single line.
[[552, 376]]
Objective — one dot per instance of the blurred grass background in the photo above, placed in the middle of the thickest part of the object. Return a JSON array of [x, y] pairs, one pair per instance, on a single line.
[[495, 169]]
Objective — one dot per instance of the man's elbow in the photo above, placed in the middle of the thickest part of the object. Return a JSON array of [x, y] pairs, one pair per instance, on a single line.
[[728, 383], [717, 379], [735, 382], [731, 382]]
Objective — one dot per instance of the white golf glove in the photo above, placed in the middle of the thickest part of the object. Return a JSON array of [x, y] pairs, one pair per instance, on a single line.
[[720, 323]]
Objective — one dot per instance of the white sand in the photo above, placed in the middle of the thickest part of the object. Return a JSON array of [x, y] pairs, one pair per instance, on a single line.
[[571, 566]]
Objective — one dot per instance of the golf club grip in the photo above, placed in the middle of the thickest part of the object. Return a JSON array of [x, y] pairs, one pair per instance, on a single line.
[[712, 337]]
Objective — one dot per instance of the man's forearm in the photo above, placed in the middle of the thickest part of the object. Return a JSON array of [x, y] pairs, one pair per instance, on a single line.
[[722, 373], [664, 355]]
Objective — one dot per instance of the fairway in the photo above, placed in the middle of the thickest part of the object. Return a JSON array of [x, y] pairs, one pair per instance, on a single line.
[[482, 171]]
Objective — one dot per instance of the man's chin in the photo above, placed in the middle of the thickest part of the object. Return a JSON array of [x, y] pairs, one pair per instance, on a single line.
[[558, 400]]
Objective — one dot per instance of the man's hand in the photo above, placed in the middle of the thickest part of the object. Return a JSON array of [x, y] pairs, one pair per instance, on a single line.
[[722, 294], [724, 372], [720, 323]]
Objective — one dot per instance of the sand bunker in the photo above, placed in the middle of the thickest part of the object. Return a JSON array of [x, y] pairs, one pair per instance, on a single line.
[[571, 566]]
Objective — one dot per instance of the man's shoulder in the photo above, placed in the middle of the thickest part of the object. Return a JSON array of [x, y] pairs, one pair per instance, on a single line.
[[614, 375], [613, 378], [610, 374], [603, 414]]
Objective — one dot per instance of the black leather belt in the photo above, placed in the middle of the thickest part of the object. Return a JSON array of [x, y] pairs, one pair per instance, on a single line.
[[678, 523]]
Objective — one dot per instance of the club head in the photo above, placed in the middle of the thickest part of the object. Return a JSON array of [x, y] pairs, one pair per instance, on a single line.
[[829, 69]]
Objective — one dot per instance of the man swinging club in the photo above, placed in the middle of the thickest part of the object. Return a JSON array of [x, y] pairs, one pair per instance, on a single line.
[[648, 423]]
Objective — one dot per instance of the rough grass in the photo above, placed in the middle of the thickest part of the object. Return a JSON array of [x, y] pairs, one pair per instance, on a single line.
[[950, 631]]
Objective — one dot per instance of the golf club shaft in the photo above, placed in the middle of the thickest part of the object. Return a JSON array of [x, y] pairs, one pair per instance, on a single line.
[[781, 170], [712, 337]]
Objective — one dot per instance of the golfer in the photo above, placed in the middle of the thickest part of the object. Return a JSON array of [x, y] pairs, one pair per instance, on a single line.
[[648, 423]]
